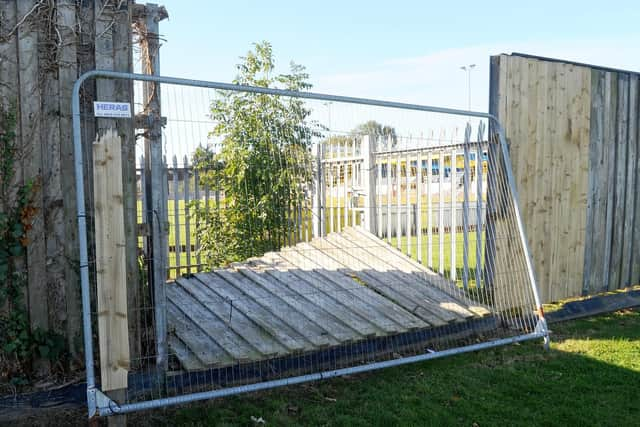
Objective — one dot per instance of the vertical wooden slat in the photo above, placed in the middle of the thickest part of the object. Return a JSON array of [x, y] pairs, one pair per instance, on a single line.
[[594, 238], [552, 158], [557, 162], [123, 92], [629, 190], [634, 181], [156, 183], [31, 151], [497, 101], [610, 108], [67, 74], [9, 57], [111, 262], [621, 159], [51, 185], [537, 229]]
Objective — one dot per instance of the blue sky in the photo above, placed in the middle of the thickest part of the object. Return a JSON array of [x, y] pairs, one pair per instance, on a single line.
[[408, 51], [345, 44]]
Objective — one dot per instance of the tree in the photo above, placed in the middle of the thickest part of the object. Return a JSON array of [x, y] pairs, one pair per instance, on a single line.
[[264, 166], [373, 128], [335, 144]]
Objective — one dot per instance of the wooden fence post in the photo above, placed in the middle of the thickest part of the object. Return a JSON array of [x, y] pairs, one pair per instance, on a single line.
[[113, 329], [157, 187]]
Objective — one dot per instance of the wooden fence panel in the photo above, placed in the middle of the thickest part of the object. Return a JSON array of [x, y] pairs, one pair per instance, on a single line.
[[573, 136]]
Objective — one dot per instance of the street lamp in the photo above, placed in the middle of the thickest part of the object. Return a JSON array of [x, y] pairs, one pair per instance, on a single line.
[[467, 69]]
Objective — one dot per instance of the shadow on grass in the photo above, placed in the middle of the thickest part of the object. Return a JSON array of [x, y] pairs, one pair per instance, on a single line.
[[590, 377]]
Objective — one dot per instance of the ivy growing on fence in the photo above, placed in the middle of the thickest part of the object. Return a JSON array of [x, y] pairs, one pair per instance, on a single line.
[[19, 345]]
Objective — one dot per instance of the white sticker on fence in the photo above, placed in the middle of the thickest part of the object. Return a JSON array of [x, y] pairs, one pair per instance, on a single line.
[[111, 109]]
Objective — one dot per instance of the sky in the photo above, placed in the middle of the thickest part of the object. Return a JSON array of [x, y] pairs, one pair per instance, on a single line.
[[406, 51]]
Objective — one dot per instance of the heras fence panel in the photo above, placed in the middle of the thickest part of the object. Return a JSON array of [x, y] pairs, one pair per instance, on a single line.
[[310, 236]]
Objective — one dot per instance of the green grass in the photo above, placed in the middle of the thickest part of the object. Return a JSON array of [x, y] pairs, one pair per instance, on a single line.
[[435, 255], [590, 377]]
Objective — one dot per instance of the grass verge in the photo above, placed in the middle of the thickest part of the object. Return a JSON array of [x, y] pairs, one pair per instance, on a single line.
[[590, 377]]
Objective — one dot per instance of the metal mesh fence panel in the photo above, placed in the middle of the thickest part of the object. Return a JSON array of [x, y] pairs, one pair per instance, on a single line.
[[286, 237]]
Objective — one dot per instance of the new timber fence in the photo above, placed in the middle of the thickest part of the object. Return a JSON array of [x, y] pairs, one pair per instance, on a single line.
[[575, 150], [309, 283]]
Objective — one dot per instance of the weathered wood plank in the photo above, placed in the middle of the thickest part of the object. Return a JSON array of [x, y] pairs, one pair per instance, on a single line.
[[316, 313], [437, 302], [497, 103], [610, 114], [30, 115], [635, 236], [217, 329], [631, 192], [157, 204], [8, 57], [298, 321], [67, 74], [437, 287], [349, 297], [187, 358], [299, 285], [259, 335], [598, 172], [198, 341], [621, 158], [239, 301], [580, 188], [123, 92], [333, 258], [389, 286], [328, 270], [407, 264]]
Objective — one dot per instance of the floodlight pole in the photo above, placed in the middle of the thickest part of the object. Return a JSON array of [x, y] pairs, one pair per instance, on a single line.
[[467, 69]]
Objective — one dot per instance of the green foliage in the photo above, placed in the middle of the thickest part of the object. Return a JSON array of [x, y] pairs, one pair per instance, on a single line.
[[18, 344], [336, 144], [386, 133], [263, 168]]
